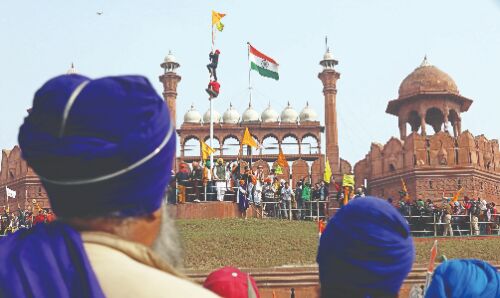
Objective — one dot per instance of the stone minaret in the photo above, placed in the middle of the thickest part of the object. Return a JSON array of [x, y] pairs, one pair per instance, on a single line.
[[170, 79], [329, 79]]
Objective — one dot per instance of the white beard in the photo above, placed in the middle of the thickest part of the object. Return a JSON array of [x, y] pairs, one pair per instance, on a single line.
[[167, 245]]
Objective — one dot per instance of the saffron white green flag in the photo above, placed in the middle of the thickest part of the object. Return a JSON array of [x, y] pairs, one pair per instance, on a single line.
[[264, 65], [10, 193]]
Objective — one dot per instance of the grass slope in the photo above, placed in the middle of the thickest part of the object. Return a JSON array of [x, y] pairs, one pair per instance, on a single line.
[[258, 243]]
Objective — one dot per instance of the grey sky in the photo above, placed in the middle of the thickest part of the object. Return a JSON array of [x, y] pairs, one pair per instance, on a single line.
[[377, 44]]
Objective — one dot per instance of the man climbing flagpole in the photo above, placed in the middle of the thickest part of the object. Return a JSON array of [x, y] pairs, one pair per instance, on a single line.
[[213, 86]]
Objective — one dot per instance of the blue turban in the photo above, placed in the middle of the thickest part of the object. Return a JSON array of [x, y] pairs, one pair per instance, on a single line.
[[100, 147], [465, 278], [366, 250]]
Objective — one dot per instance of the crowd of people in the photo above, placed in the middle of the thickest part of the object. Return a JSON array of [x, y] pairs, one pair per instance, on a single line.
[[20, 219], [235, 181], [453, 217], [106, 168]]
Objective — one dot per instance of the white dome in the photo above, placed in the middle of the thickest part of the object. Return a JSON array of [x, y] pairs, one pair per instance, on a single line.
[[269, 115], [192, 116], [308, 114], [206, 116], [328, 56], [170, 58], [289, 115], [231, 115], [250, 115]]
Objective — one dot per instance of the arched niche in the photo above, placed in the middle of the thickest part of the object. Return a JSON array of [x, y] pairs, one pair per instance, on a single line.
[[191, 146], [270, 145], [230, 145], [290, 145], [309, 145], [435, 118]]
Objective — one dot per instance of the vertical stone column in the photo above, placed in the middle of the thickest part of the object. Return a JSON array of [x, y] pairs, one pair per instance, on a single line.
[[402, 129], [329, 79], [170, 81], [422, 123]]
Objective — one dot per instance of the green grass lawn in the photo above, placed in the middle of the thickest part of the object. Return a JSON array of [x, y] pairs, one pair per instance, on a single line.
[[259, 243]]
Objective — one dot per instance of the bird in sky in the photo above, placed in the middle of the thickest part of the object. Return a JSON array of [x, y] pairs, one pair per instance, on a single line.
[[99, 13]]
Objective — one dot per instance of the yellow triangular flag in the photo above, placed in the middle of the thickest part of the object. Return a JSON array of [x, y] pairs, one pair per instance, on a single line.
[[219, 26], [348, 180], [327, 176], [217, 16], [457, 194], [282, 159], [405, 190], [248, 140], [206, 150], [278, 170]]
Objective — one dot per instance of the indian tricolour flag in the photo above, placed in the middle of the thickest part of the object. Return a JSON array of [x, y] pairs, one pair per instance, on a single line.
[[264, 65]]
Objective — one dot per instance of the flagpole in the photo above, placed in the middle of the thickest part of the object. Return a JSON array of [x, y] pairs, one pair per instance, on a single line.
[[211, 133], [249, 74]]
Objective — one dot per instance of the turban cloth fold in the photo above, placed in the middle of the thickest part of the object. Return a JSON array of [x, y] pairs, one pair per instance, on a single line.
[[464, 278], [107, 150], [366, 250], [47, 261]]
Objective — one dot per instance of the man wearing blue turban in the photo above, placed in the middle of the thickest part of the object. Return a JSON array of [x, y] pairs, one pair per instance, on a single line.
[[103, 150], [464, 279], [366, 250]]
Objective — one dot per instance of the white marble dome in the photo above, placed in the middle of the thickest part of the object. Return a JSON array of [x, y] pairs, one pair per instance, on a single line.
[[250, 115], [170, 58], [269, 115], [231, 115], [192, 116], [206, 116], [289, 115], [308, 114]]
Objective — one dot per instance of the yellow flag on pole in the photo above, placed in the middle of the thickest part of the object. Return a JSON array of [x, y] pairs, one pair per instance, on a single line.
[[248, 139], [457, 194], [282, 159], [327, 175], [348, 180], [278, 170], [206, 151], [405, 190], [217, 16]]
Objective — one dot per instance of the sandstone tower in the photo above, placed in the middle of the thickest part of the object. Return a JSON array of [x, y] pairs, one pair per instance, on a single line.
[[329, 77], [170, 79]]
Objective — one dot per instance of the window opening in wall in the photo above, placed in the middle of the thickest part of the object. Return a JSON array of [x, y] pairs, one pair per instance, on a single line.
[[431, 184], [392, 168], [459, 183]]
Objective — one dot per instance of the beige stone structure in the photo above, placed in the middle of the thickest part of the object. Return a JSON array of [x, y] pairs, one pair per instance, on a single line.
[[431, 165]]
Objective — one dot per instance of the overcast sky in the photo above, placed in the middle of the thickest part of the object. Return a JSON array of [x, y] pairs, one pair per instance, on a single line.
[[377, 43]]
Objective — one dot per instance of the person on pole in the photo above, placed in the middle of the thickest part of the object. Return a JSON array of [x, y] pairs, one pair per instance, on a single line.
[[213, 89], [212, 66]]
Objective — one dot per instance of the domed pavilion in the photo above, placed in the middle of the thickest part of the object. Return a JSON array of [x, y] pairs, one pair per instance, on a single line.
[[432, 163]]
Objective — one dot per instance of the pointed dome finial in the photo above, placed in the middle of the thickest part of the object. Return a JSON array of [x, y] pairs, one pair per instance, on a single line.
[[425, 62], [72, 69]]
